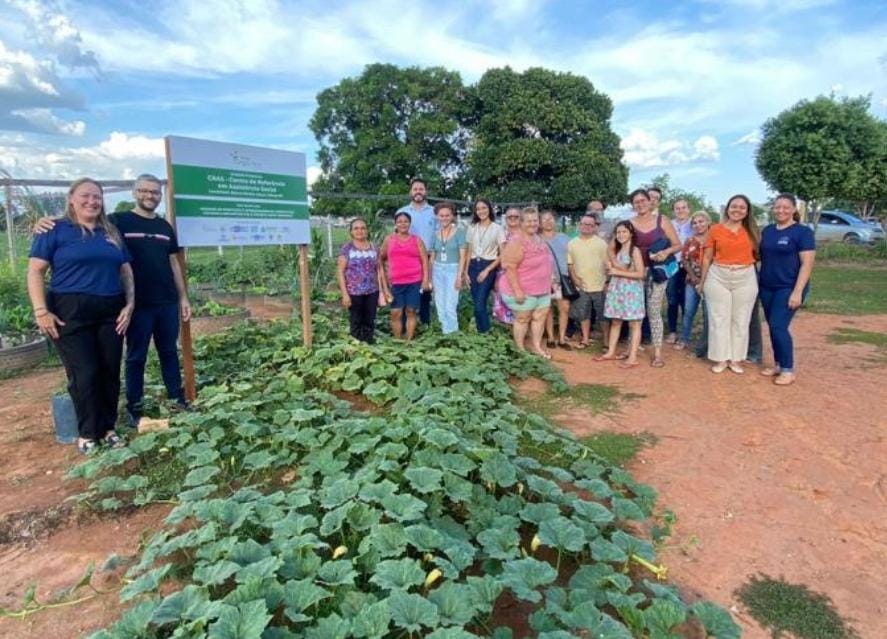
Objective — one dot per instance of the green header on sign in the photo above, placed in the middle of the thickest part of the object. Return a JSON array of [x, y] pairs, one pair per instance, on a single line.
[[256, 210], [198, 180]]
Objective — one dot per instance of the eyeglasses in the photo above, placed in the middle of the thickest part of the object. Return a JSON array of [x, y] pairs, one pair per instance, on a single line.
[[143, 192], [512, 217]]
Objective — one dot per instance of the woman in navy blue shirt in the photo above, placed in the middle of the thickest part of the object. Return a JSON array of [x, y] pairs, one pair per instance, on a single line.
[[89, 305], [787, 250]]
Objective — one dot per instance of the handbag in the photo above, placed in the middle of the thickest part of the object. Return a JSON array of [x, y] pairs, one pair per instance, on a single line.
[[568, 289], [662, 271]]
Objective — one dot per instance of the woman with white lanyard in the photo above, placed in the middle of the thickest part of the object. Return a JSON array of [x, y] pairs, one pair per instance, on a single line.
[[484, 237], [446, 257]]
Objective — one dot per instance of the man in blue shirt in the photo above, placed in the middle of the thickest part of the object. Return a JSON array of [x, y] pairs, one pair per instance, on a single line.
[[423, 225]]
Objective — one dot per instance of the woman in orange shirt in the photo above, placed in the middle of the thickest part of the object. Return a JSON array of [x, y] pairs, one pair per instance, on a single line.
[[730, 284]]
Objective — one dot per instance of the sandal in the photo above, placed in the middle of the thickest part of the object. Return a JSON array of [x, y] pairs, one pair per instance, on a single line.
[[581, 345], [784, 379], [736, 368], [551, 343], [113, 440], [543, 354], [566, 346], [770, 371], [629, 364], [657, 362], [679, 346], [604, 358], [87, 446], [720, 367]]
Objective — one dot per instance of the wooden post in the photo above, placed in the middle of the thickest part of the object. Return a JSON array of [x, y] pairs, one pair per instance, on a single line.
[[185, 332], [10, 229], [305, 294]]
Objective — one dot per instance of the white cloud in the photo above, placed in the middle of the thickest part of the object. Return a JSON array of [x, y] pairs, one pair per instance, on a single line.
[[644, 150], [120, 156], [752, 138], [55, 34], [311, 175], [43, 121]]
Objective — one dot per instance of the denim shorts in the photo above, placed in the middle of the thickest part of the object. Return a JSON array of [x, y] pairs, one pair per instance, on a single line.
[[531, 303], [406, 295]]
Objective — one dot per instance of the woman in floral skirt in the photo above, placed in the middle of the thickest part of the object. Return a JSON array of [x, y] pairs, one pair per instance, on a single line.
[[625, 294]]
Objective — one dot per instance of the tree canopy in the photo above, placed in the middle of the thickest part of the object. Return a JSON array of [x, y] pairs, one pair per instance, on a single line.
[[671, 194], [536, 136], [544, 136], [388, 125], [824, 149]]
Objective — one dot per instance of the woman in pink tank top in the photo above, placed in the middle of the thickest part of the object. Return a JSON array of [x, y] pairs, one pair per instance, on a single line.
[[407, 274], [526, 287]]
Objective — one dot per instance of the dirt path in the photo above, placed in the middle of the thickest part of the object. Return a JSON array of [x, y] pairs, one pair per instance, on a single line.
[[789, 481]]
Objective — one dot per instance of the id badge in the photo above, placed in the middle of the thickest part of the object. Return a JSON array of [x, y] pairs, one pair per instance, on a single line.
[[443, 256]]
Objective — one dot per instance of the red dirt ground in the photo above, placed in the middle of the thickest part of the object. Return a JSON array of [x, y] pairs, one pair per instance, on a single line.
[[787, 481]]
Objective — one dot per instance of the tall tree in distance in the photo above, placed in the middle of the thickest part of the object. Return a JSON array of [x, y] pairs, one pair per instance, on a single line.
[[387, 125], [671, 194], [543, 136], [824, 149]]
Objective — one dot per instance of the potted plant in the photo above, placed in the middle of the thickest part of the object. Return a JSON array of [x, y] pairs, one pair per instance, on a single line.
[[21, 346]]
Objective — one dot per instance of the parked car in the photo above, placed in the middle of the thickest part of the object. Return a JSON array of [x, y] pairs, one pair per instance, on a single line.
[[840, 226], [873, 221]]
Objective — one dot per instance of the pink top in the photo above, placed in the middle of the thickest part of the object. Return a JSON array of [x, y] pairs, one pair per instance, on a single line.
[[404, 262], [533, 271]]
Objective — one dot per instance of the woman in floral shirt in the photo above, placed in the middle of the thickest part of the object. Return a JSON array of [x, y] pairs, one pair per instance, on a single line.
[[359, 274], [691, 262]]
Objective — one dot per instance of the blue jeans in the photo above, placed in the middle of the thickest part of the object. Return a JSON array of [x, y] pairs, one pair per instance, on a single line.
[[446, 297], [480, 293], [691, 304], [161, 322], [674, 294], [755, 341], [779, 316]]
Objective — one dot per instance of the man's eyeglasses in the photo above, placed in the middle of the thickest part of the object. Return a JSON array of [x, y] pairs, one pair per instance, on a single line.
[[154, 192], [512, 217]]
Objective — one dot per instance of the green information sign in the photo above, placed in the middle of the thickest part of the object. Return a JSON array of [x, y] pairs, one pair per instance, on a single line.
[[236, 195]]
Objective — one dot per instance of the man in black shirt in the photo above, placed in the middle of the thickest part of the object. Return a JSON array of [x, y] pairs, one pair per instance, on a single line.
[[160, 295]]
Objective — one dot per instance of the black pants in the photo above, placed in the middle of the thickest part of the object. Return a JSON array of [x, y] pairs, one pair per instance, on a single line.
[[362, 316], [162, 323], [90, 349]]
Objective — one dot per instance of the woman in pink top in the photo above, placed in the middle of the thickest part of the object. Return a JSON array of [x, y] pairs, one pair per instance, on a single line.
[[407, 263], [526, 287]]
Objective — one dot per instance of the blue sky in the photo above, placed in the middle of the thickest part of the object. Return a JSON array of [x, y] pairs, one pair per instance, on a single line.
[[92, 87]]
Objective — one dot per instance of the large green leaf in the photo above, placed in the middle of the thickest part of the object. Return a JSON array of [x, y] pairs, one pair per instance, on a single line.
[[246, 621], [393, 574], [523, 576], [500, 543], [424, 479], [454, 603], [373, 621], [330, 627], [337, 573], [499, 470], [403, 507], [338, 493], [146, 583], [411, 611], [717, 622], [539, 512], [662, 616], [594, 512], [562, 533]]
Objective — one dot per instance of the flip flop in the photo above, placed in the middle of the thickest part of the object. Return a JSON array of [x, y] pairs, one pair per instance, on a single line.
[[604, 358], [657, 363], [566, 346], [581, 345], [628, 364]]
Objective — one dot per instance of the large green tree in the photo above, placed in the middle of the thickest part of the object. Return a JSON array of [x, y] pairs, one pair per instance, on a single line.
[[543, 136], [823, 149], [389, 124]]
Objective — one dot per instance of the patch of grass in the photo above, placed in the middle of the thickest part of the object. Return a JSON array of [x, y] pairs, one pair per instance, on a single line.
[[853, 335], [781, 607], [596, 398], [848, 290], [618, 448], [852, 252]]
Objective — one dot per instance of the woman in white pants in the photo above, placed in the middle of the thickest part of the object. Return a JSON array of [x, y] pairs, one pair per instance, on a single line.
[[729, 283]]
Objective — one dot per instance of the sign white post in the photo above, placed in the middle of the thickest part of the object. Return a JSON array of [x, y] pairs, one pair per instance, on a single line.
[[224, 194]]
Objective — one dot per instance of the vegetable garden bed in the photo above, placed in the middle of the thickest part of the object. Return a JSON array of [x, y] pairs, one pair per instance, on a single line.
[[297, 516]]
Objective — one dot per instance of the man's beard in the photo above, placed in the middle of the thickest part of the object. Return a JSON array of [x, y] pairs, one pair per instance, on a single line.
[[148, 205], [418, 198]]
